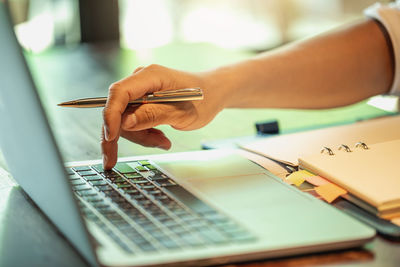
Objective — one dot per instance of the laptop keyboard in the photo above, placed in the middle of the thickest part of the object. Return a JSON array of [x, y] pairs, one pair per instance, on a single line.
[[144, 210]]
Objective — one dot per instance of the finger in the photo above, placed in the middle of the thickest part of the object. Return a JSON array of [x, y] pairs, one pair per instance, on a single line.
[[151, 115], [117, 101], [123, 91], [109, 150], [149, 138]]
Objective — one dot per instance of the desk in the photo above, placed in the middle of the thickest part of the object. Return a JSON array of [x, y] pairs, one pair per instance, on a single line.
[[26, 236]]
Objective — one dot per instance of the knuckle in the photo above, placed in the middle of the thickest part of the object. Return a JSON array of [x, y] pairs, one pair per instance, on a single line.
[[114, 87], [154, 67], [150, 114]]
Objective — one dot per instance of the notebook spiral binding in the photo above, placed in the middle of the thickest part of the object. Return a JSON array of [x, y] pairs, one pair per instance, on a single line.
[[346, 148]]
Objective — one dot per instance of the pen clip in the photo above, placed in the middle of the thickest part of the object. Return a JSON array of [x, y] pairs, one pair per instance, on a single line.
[[179, 92]]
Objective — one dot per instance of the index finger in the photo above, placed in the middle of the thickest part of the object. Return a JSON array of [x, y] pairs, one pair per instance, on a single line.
[[117, 101]]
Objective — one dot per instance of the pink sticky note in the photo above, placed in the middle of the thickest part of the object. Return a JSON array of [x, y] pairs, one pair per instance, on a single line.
[[316, 180]]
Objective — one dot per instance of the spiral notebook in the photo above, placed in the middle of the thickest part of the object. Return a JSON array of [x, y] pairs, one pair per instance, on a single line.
[[369, 173], [288, 148]]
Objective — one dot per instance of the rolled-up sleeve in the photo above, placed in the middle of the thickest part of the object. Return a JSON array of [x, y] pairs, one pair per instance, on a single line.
[[389, 16]]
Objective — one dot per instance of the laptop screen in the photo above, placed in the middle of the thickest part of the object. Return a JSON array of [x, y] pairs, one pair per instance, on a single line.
[[28, 145]]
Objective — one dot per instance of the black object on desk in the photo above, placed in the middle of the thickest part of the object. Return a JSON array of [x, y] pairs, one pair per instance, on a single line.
[[267, 127], [264, 129]]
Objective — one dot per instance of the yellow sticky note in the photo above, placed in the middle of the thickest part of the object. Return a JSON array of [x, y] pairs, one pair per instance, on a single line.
[[330, 191], [316, 180], [299, 177]]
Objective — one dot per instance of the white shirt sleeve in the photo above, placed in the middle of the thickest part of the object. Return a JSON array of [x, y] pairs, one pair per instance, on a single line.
[[389, 16]]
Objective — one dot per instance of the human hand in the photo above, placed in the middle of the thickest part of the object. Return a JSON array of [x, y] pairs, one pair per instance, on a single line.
[[137, 123]]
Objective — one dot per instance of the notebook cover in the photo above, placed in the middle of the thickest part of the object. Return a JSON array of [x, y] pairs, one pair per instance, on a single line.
[[369, 174], [290, 147]]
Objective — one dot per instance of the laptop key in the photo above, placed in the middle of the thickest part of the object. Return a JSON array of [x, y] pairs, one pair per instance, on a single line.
[[215, 217], [147, 247], [74, 177], [168, 243], [122, 167], [146, 186], [111, 193], [93, 178], [165, 182], [89, 192], [213, 235], [132, 175], [81, 168], [77, 182], [98, 182], [100, 205], [139, 181], [98, 168], [143, 162], [156, 177], [87, 173], [103, 188], [69, 171], [95, 198], [150, 167], [141, 169], [130, 190], [122, 185], [116, 179], [191, 239], [81, 187], [119, 200]]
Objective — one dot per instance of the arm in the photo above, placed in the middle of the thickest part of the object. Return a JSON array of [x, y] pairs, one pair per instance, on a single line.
[[334, 69]]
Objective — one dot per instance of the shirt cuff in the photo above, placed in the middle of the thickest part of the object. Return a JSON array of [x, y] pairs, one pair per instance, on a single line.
[[389, 17]]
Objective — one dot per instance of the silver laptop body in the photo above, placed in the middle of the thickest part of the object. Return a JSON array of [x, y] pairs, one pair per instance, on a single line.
[[232, 209]]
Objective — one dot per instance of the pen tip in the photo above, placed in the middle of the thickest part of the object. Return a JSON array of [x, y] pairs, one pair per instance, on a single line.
[[66, 104]]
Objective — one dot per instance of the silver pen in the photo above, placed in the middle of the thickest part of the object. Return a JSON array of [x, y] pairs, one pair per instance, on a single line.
[[186, 94]]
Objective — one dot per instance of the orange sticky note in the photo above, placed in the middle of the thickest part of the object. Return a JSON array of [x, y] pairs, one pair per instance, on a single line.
[[330, 191], [298, 177], [396, 221], [316, 180]]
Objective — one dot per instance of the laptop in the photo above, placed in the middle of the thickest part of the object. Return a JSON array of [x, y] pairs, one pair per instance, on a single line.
[[191, 208]]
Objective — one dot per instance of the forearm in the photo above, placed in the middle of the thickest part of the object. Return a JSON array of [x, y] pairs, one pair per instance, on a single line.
[[329, 70]]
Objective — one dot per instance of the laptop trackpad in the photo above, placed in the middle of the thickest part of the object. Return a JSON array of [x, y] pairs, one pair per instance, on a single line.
[[239, 193], [236, 186], [258, 201]]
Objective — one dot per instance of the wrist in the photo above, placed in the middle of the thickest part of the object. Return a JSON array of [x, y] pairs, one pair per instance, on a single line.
[[222, 86]]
